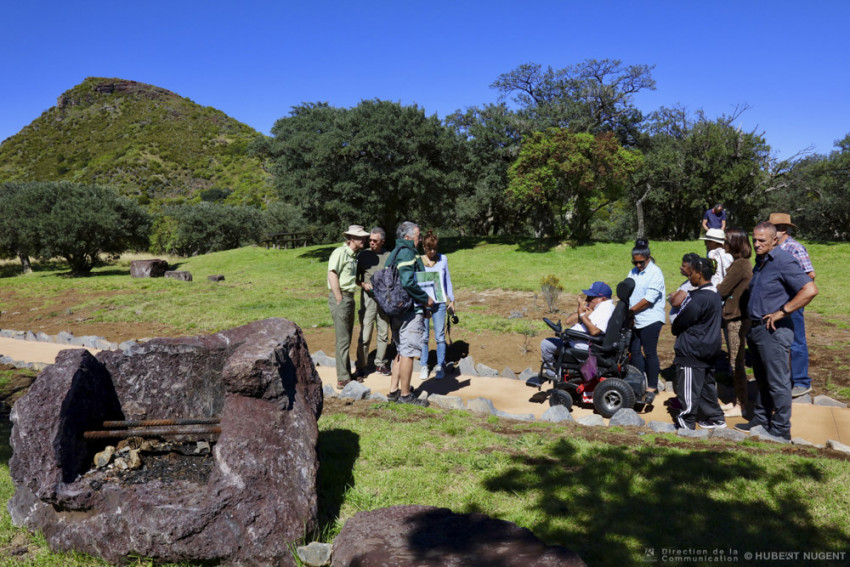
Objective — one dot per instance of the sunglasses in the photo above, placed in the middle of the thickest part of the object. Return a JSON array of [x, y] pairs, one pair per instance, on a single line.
[[374, 240], [638, 262]]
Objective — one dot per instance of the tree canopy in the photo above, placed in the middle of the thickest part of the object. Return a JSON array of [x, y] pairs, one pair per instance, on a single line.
[[568, 177], [73, 221], [377, 163]]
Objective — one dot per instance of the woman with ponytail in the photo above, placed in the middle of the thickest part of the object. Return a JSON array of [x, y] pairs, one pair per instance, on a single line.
[[647, 307]]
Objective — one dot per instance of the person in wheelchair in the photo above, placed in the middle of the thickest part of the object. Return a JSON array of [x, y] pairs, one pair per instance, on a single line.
[[591, 317]]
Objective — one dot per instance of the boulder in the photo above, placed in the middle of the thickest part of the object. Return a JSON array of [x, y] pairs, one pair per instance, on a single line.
[[592, 420], [466, 366], [556, 414], [215, 278], [179, 275], [148, 268], [447, 402], [429, 536], [626, 416], [484, 370], [662, 427], [481, 406], [256, 496]]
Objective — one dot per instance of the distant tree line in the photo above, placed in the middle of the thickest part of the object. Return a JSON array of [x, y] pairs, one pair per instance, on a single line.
[[571, 158]]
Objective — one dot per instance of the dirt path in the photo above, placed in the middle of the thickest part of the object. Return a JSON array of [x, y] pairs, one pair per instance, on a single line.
[[813, 423]]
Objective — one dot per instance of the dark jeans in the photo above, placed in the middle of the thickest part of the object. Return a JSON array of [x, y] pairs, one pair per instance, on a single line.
[[771, 351], [646, 339], [799, 352]]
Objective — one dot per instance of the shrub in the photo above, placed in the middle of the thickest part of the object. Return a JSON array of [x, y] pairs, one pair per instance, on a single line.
[[551, 288]]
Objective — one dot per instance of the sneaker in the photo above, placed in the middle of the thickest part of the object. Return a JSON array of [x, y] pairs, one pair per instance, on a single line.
[[745, 427], [394, 396], [774, 433], [412, 400], [384, 370], [734, 411], [798, 391], [423, 373], [712, 424], [438, 373]]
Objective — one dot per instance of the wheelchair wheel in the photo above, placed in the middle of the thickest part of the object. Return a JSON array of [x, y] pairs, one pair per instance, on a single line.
[[560, 398], [611, 395]]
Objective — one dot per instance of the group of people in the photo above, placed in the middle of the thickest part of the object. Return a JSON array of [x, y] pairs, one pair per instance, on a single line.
[[352, 266], [724, 295]]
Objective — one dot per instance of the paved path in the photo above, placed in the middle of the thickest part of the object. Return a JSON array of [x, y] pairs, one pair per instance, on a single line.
[[813, 423]]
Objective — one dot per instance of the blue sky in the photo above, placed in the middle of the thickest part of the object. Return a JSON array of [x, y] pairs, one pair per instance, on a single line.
[[254, 60]]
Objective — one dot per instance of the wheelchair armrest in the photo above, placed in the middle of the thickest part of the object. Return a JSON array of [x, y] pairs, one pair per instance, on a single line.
[[555, 326], [582, 336]]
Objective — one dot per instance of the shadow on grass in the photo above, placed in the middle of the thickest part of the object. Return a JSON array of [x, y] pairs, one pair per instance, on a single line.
[[623, 497], [322, 254], [338, 450]]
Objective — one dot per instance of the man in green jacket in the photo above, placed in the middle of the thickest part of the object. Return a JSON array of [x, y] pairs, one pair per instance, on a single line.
[[408, 327]]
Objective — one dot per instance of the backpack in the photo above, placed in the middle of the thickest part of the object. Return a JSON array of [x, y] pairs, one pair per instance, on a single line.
[[387, 290]]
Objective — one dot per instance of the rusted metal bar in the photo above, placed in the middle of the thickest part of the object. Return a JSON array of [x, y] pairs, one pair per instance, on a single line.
[[151, 432], [161, 422]]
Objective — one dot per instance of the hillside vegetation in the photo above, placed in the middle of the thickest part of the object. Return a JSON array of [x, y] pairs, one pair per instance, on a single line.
[[147, 141]]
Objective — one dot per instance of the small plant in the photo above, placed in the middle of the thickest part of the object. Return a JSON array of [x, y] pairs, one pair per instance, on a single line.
[[551, 288]]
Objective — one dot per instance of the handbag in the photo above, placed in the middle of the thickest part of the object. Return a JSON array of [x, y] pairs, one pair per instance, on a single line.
[[589, 369]]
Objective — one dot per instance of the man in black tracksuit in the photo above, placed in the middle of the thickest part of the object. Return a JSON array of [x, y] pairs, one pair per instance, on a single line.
[[698, 344]]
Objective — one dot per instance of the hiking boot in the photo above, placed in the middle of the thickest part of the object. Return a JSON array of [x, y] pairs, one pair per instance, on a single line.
[[340, 384], [798, 391], [423, 373], [438, 373], [412, 400], [383, 370], [394, 396], [712, 424]]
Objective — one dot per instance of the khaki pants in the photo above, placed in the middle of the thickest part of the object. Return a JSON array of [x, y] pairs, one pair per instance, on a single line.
[[342, 314], [370, 314]]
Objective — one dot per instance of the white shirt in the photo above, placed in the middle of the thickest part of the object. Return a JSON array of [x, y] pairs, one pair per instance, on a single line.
[[724, 260], [599, 317]]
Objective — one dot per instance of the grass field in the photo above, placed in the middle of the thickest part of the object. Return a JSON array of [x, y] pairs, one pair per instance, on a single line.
[[608, 494], [264, 283]]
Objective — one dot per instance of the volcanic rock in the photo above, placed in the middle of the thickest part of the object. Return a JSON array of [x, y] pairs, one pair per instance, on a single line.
[[426, 535], [244, 504], [148, 268]]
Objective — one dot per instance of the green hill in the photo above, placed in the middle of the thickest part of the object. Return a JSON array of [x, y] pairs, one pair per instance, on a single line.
[[147, 141]]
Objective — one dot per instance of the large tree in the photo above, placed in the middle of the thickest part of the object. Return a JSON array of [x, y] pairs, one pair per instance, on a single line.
[[75, 222], [693, 162], [565, 178], [594, 96], [377, 163], [814, 192], [492, 145]]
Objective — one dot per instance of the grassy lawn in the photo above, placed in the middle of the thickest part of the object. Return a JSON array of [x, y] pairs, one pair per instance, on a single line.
[[607, 495], [264, 283]]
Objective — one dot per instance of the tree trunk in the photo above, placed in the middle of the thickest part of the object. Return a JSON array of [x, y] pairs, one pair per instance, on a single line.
[[26, 267], [641, 230]]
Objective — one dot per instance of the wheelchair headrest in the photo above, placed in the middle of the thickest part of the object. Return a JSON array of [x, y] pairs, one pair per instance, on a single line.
[[625, 289]]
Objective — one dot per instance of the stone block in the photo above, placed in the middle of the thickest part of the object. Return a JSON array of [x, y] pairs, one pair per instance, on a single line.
[[828, 402], [626, 416], [180, 275], [592, 420], [466, 366], [447, 402], [155, 268], [401, 536], [484, 370]]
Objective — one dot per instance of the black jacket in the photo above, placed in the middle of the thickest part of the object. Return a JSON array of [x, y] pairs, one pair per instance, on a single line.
[[697, 329]]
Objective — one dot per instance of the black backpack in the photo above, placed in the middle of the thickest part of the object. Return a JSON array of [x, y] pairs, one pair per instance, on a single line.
[[387, 290]]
